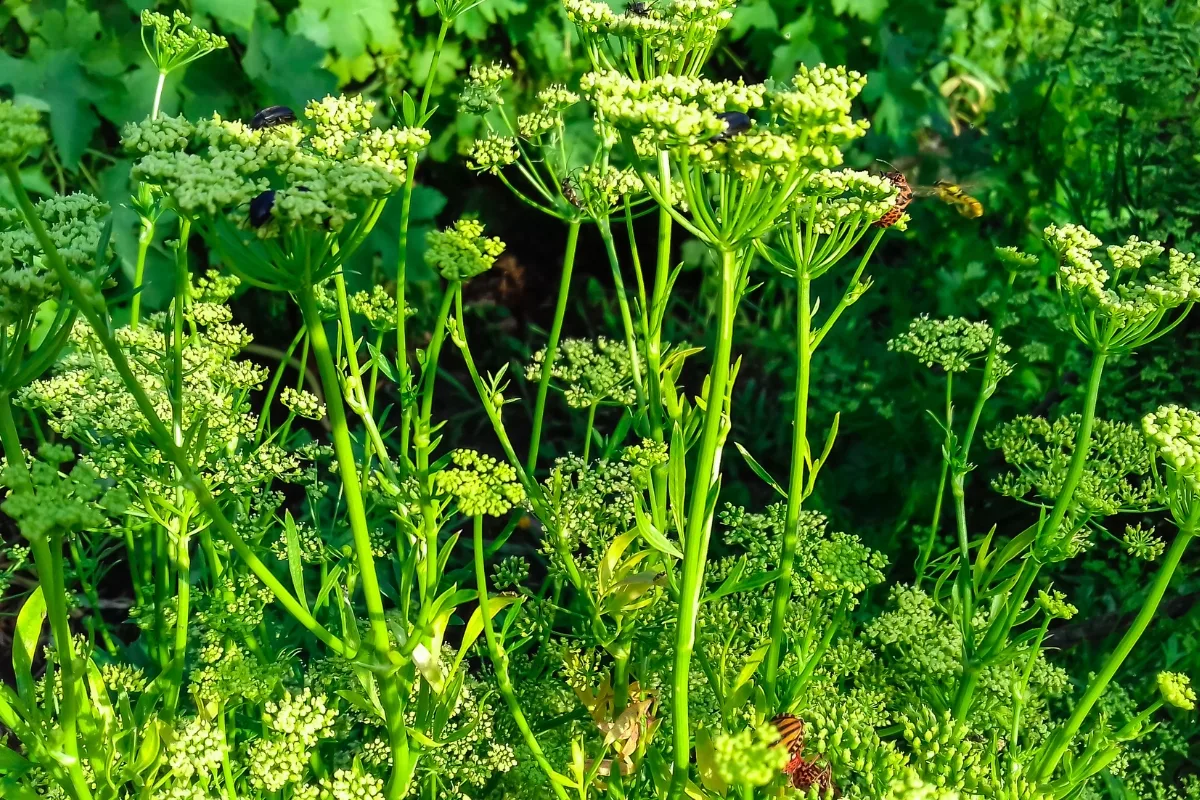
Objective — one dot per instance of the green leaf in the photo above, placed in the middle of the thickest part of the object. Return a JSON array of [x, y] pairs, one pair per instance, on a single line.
[[754, 15], [25, 641], [383, 362], [239, 13], [349, 28], [11, 761], [866, 10], [475, 625], [759, 470], [295, 564], [653, 536], [288, 65], [330, 582]]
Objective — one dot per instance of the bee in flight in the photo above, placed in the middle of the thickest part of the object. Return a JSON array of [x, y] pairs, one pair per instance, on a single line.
[[953, 194]]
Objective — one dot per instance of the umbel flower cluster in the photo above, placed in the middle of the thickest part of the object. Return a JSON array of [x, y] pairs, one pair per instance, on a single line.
[[594, 371], [1122, 303], [74, 224], [953, 344], [321, 177]]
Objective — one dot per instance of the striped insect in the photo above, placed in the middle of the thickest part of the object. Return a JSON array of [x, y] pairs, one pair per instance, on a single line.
[[904, 196], [802, 772], [953, 194]]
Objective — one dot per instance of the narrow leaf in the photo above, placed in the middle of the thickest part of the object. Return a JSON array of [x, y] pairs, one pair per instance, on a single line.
[[25, 641], [295, 565], [475, 626], [759, 470]]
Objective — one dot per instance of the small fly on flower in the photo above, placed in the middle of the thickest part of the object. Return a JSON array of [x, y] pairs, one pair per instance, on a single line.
[[736, 123], [638, 9], [272, 117]]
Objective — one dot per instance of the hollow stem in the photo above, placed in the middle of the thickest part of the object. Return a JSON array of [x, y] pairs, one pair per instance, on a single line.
[[158, 90], [699, 522], [356, 513], [560, 310], [791, 532], [1058, 743]]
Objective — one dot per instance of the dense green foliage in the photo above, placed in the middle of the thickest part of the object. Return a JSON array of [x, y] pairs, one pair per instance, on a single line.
[[273, 472]]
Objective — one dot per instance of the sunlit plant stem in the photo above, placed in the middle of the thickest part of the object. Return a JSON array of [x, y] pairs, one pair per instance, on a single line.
[[390, 696], [699, 518], [499, 660], [560, 311], [787, 556], [1060, 740]]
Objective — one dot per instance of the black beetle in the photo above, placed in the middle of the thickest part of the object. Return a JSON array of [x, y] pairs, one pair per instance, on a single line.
[[260, 209], [271, 116], [638, 9], [736, 123]]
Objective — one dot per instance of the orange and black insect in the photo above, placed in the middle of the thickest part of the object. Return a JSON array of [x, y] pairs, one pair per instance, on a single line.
[[903, 198], [791, 733], [803, 773]]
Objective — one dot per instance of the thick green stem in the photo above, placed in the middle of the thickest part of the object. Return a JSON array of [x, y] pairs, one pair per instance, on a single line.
[[183, 594], [699, 522], [1083, 443], [560, 311], [1058, 743], [500, 662], [424, 445], [591, 426], [434, 62], [343, 448], [658, 310], [791, 530], [158, 90], [410, 177]]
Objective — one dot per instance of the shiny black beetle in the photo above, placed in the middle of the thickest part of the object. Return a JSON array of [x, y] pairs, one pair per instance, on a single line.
[[736, 123], [260, 209], [272, 116]]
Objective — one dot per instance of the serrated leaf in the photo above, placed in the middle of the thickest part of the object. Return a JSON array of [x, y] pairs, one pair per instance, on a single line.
[[239, 13]]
